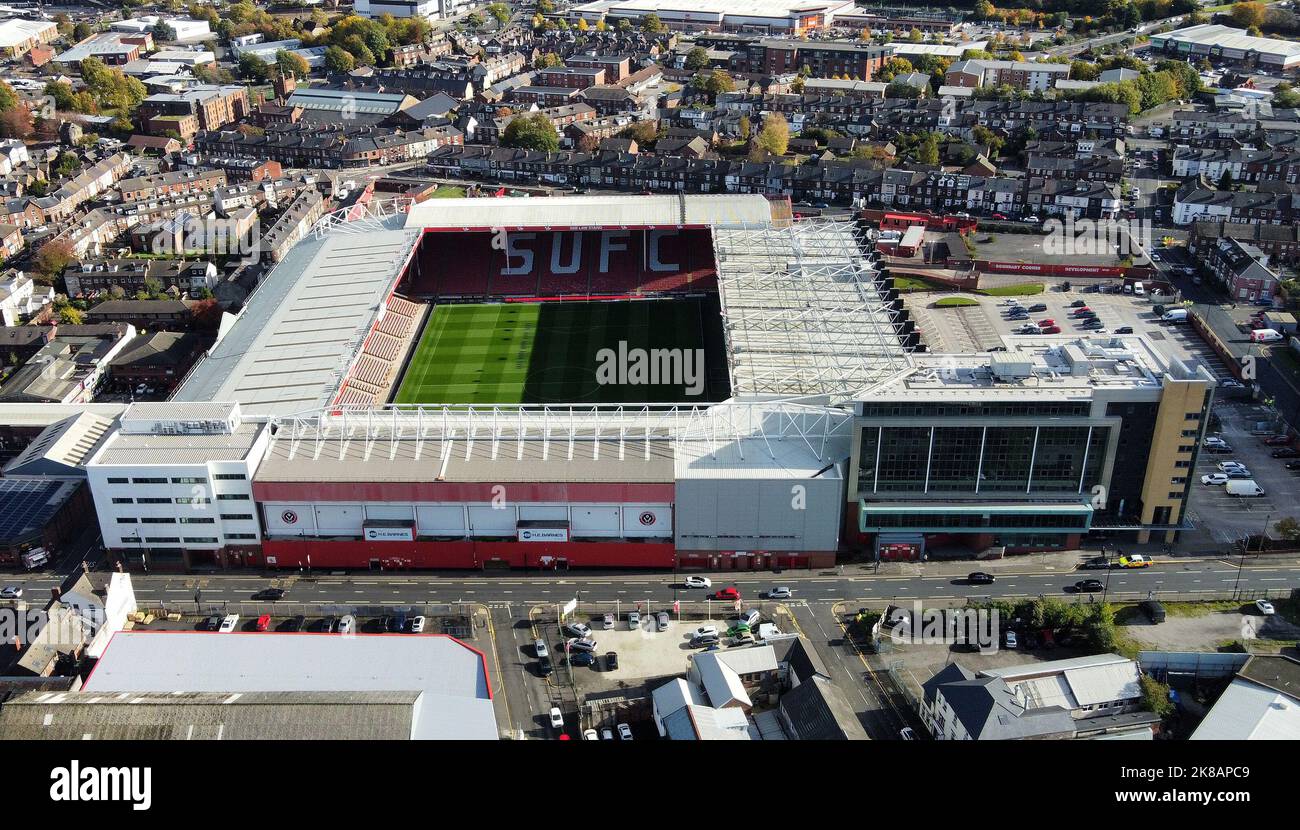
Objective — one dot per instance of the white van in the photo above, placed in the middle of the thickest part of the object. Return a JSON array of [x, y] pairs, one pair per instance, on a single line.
[[1265, 336], [1178, 315], [1139, 290], [1243, 487]]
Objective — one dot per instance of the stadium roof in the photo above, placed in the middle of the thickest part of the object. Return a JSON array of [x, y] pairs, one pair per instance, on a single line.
[[299, 331], [802, 312], [455, 701], [578, 212]]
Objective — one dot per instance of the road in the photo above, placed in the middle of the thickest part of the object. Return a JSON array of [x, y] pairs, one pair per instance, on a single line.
[[528, 590]]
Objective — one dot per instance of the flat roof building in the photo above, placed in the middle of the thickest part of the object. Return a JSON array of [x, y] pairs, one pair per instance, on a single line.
[[1217, 42]]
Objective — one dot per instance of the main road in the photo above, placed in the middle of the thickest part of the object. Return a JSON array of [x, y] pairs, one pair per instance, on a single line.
[[855, 584]]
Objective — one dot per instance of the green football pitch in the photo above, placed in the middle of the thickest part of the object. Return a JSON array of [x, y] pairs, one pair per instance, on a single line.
[[551, 353]]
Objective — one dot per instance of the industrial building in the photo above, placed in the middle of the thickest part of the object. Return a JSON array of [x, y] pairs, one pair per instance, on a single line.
[[765, 16], [1228, 45]]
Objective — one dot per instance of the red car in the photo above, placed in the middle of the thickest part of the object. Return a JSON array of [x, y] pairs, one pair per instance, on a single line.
[[1051, 330], [999, 216], [1045, 323], [1277, 440], [263, 622], [1080, 311], [729, 592]]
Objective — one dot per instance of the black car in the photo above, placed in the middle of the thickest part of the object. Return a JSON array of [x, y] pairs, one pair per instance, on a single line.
[[270, 593], [1124, 330], [544, 666], [582, 658], [1293, 465], [386, 623], [397, 623], [1038, 307], [1085, 586], [296, 623], [703, 642], [1078, 304], [213, 622], [1085, 315], [1286, 452], [1217, 449], [980, 578], [328, 625], [611, 660]]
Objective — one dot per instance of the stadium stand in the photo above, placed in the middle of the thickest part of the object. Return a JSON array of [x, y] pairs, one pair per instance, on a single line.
[[372, 373]]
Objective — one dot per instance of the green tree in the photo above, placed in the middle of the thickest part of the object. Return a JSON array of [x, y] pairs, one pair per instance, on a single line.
[[652, 24], [253, 68], [697, 58], [337, 59], [1249, 14], [746, 127], [500, 12], [81, 31], [643, 133], [1155, 696], [531, 132], [291, 63], [927, 152], [8, 98]]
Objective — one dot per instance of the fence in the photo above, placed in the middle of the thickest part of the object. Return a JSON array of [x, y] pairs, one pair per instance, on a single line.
[[1201, 664]]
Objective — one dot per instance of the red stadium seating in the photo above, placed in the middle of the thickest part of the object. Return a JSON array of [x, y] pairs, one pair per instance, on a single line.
[[565, 262]]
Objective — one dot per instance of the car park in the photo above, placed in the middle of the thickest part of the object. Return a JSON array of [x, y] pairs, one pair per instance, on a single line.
[[980, 578], [229, 623], [698, 582]]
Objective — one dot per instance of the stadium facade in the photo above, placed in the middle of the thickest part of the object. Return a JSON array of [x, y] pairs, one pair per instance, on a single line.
[[838, 436]]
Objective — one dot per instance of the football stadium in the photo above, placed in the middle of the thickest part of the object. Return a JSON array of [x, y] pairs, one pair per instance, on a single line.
[[614, 381]]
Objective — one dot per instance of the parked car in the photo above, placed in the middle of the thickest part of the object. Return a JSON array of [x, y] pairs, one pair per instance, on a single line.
[[576, 629], [1050, 330], [737, 629], [980, 578], [607, 734], [633, 620], [1046, 322], [1079, 304], [579, 644], [1277, 440], [328, 624], [750, 618], [661, 621], [347, 624], [705, 631], [544, 667], [611, 660], [741, 640], [296, 623], [1238, 472], [1224, 466], [1213, 441], [698, 582], [212, 623], [624, 732], [782, 592], [1286, 452], [582, 658], [1137, 560], [704, 642], [589, 734], [1214, 479], [229, 623], [540, 649], [1293, 465], [557, 718], [1124, 330], [607, 622], [1037, 307], [1096, 563], [263, 622], [1084, 586], [1009, 639], [1264, 607], [907, 734], [417, 625]]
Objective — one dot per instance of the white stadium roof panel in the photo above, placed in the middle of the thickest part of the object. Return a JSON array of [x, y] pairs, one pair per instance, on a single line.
[[588, 212]]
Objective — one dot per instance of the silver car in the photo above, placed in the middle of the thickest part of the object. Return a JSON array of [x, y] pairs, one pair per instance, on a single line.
[[661, 621]]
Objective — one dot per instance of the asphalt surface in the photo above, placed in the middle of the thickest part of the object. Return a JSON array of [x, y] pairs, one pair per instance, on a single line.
[[520, 590]]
